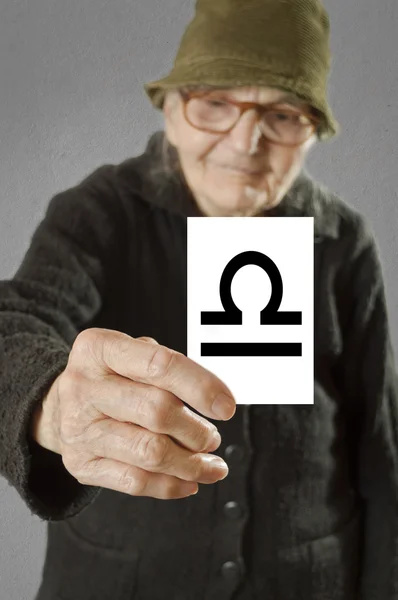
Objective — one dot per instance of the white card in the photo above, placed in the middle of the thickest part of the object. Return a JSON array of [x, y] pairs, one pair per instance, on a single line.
[[264, 269]]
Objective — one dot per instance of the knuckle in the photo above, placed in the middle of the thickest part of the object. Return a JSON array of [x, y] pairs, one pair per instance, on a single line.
[[85, 341], [201, 436], [76, 466], [200, 432], [94, 344], [146, 338], [159, 413], [161, 362], [197, 468], [77, 435], [83, 479], [153, 450], [132, 482]]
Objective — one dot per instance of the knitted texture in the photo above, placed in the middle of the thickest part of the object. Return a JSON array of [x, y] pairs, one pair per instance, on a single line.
[[276, 43]]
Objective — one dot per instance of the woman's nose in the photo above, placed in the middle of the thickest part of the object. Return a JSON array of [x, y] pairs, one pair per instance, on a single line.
[[245, 135]]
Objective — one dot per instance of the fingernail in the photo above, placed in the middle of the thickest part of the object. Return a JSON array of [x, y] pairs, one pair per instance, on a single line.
[[217, 463], [224, 406]]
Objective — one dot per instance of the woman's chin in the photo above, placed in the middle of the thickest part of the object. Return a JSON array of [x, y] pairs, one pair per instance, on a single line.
[[239, 201]]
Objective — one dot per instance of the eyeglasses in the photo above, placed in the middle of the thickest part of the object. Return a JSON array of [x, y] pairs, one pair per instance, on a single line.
[[213, 112]]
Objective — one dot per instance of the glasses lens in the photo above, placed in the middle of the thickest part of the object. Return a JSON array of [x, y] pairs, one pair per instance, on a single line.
[[212, 112], [286, 126]]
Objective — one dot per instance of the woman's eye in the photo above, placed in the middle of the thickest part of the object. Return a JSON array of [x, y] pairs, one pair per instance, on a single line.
[[216, 103]]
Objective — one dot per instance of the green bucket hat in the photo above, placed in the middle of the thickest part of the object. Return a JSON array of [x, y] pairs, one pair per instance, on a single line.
[[276, 43]]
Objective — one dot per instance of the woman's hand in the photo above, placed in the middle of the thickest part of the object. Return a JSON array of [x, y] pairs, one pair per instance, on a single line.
[[116, 416]]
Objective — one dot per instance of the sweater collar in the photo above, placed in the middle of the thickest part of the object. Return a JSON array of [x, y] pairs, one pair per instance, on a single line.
[[306, 197]]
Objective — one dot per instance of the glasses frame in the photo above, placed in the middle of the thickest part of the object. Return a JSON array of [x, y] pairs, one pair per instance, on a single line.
[[243, 107]]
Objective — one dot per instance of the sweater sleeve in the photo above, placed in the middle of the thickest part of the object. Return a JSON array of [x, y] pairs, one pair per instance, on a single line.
[[56, 292], [372, 388]]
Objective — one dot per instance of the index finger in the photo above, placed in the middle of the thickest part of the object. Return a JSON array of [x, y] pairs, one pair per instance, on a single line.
[[170, 370]]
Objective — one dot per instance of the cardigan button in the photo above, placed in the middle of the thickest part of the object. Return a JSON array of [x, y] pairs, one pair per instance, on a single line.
[[231, 571], [232, 510], [234, 453]]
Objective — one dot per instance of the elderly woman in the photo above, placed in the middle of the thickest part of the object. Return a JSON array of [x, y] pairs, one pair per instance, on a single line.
[[103, 415]]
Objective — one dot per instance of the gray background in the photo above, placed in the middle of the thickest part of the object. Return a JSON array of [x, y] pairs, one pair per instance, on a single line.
[[71, 98]]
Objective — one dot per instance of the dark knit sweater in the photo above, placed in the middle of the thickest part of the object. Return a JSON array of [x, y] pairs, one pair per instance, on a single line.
[[308, 510]]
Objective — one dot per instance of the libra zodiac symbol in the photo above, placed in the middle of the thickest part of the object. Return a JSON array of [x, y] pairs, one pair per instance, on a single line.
[[270, 315]]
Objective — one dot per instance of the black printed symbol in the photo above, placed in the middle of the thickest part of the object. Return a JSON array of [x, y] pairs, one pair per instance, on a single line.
[[270, 315]]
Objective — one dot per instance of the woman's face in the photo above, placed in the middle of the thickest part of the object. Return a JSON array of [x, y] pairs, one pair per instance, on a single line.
[[238, 173]]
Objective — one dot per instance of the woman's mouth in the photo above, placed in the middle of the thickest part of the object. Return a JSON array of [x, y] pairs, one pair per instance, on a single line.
[[243, 170]]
